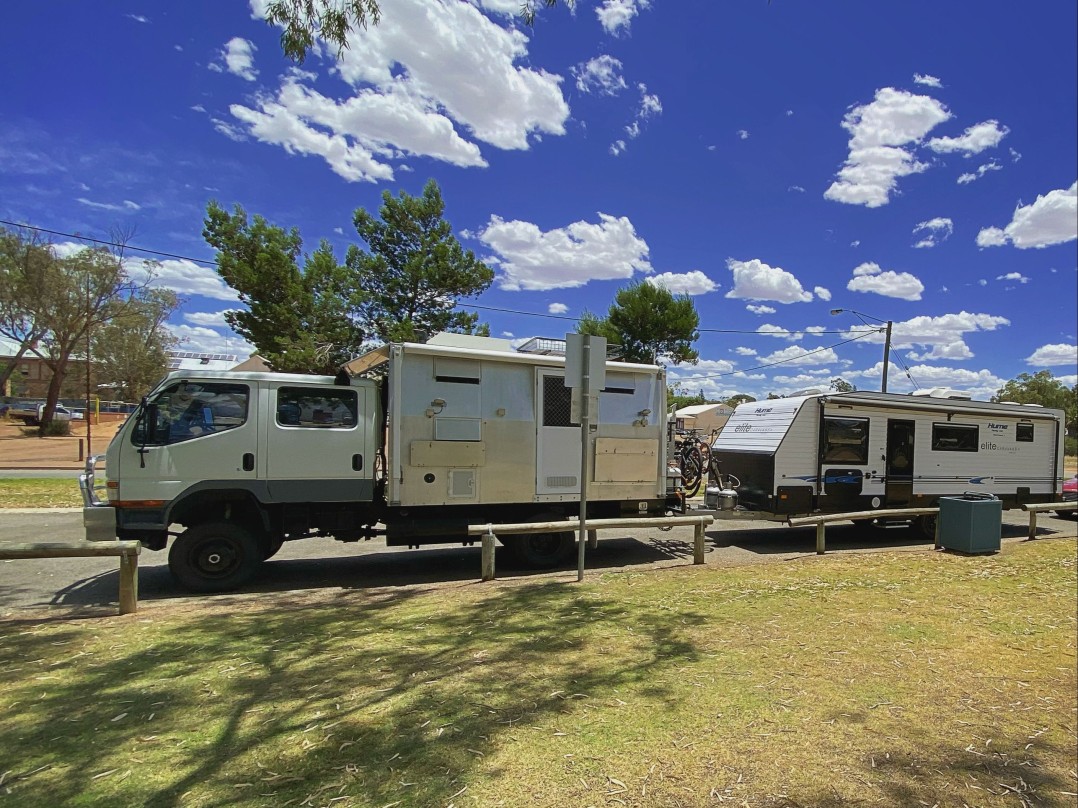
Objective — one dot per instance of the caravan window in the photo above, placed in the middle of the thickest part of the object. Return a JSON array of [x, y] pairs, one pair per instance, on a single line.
[[955, 437], [1024, 433], [845, 440]]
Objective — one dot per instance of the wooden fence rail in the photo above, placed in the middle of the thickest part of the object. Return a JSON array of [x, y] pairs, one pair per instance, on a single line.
[[1036, 508], [128, 551], [821, 520], [490, 532]]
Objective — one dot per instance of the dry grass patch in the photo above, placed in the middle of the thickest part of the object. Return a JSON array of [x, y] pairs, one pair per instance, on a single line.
[[884, 679], [28, 492]]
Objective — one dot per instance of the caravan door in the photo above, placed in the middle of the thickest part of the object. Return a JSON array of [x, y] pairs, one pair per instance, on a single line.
[[899, 469], [557, 444]]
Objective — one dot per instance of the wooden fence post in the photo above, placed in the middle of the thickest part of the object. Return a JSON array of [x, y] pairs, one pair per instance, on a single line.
[[1032, 525], [936, 538], [128, 582], [698, 543], [593, 539], [488, 555], [820, 527]]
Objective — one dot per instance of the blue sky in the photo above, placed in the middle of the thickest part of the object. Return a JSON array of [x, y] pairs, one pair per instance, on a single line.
[[913, 161]]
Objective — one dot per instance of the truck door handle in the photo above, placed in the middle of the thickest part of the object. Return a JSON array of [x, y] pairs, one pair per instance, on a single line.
[[248, 461], [357, 462]]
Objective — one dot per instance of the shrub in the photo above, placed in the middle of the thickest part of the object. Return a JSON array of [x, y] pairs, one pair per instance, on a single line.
[[1070, 446], [56, 429]]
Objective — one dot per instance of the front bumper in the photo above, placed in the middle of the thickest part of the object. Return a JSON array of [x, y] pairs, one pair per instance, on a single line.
[[98, 517]]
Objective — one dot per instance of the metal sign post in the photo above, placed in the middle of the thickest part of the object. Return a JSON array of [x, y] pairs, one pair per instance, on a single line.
[[585, 370]]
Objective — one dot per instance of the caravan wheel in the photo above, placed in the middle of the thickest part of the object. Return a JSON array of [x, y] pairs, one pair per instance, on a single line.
[[926, 525]]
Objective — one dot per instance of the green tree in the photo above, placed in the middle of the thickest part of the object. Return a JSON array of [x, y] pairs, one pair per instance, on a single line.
[[840, 385], [131, 350], [649, 323], [1044, 389], [300, 321], [415, 270], [740, 398], [24, 258]]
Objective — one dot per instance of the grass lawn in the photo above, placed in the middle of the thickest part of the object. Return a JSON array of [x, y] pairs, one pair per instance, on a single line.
[[16, 492], [891, 679]]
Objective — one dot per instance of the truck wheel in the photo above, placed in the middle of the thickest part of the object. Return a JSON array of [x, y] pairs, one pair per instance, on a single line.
[[271, 548], [542, 550], [214, 557]]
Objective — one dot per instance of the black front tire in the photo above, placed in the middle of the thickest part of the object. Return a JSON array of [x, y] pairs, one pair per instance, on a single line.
[[214, 557]]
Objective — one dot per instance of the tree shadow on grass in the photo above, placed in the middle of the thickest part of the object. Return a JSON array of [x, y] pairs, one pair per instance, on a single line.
[[357, 697]]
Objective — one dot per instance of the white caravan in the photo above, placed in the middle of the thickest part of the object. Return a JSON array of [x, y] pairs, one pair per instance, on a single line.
[[423, 439], [859, 451]]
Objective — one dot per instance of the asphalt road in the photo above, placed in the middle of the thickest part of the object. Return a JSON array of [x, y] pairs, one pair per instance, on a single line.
[[34, 587]]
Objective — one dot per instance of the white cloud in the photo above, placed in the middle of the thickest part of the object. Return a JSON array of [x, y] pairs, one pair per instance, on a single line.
[[138, 18], [755, 309], [1051, 219], [938, 231], [796, 188], [743, 134], [974, 140], [941, 335], [557, 308], [789, 112], [878, 133], [1013, 276], [855, 243], [822, 293], [769, 330], [229, 130], [209, 319], [207, 340], [649, 103], [870, 277], [1054, 355], [926, 80], [796, 355], [431, 79], [189, 278], [617, 147], [239, 58], [570, 256], [755, 280], [981, 384], [967, 178], [943, 350], [616, 15], [126, 206], [687, 283], [601, 74]]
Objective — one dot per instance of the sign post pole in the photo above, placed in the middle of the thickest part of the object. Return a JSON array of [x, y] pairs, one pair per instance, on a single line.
[[585, 370]]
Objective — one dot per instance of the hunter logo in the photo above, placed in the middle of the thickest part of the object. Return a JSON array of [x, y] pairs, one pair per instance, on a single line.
[[998, 426]]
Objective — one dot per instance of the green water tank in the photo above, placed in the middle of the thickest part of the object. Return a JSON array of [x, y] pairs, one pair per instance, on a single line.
[[971, 523]]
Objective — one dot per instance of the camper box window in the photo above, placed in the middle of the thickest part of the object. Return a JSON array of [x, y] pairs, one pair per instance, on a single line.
[[845, 440], [1023, 433], [954, 437]]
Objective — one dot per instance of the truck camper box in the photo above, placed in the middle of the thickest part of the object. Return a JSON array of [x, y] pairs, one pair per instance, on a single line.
[[861, 451]]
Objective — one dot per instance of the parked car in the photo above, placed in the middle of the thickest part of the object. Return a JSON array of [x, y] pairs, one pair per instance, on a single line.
[[1070, 494], [31, 414]]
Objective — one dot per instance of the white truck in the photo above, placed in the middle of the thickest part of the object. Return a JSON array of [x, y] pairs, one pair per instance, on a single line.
[[862, 451], [31, 414], [413, 441]]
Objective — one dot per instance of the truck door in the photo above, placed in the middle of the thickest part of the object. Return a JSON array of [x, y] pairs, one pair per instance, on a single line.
[[557, 445], [899, 470], [193, 431], [317, 444]]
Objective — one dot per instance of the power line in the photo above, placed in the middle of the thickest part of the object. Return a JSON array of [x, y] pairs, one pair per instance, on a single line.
[[780, 362], [106, 243]]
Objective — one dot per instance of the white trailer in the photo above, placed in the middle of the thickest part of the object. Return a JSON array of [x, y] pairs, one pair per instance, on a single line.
[[412, 441], [860, 451]]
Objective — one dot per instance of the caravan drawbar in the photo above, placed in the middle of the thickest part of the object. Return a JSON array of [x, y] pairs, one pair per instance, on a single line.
[[862, 451]]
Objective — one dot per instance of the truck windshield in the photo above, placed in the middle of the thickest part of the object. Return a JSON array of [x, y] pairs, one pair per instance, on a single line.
[[191, 409]]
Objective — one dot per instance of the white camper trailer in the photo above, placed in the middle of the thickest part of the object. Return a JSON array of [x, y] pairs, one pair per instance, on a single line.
[[860, 451], [421, 439]]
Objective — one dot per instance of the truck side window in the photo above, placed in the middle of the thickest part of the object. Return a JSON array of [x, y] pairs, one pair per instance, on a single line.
[[954, 437], [191, 409], [317, 408], [845, 440]]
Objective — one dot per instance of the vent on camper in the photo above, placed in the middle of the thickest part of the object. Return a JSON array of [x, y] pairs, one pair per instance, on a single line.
[[561, 482], [943, 392]]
